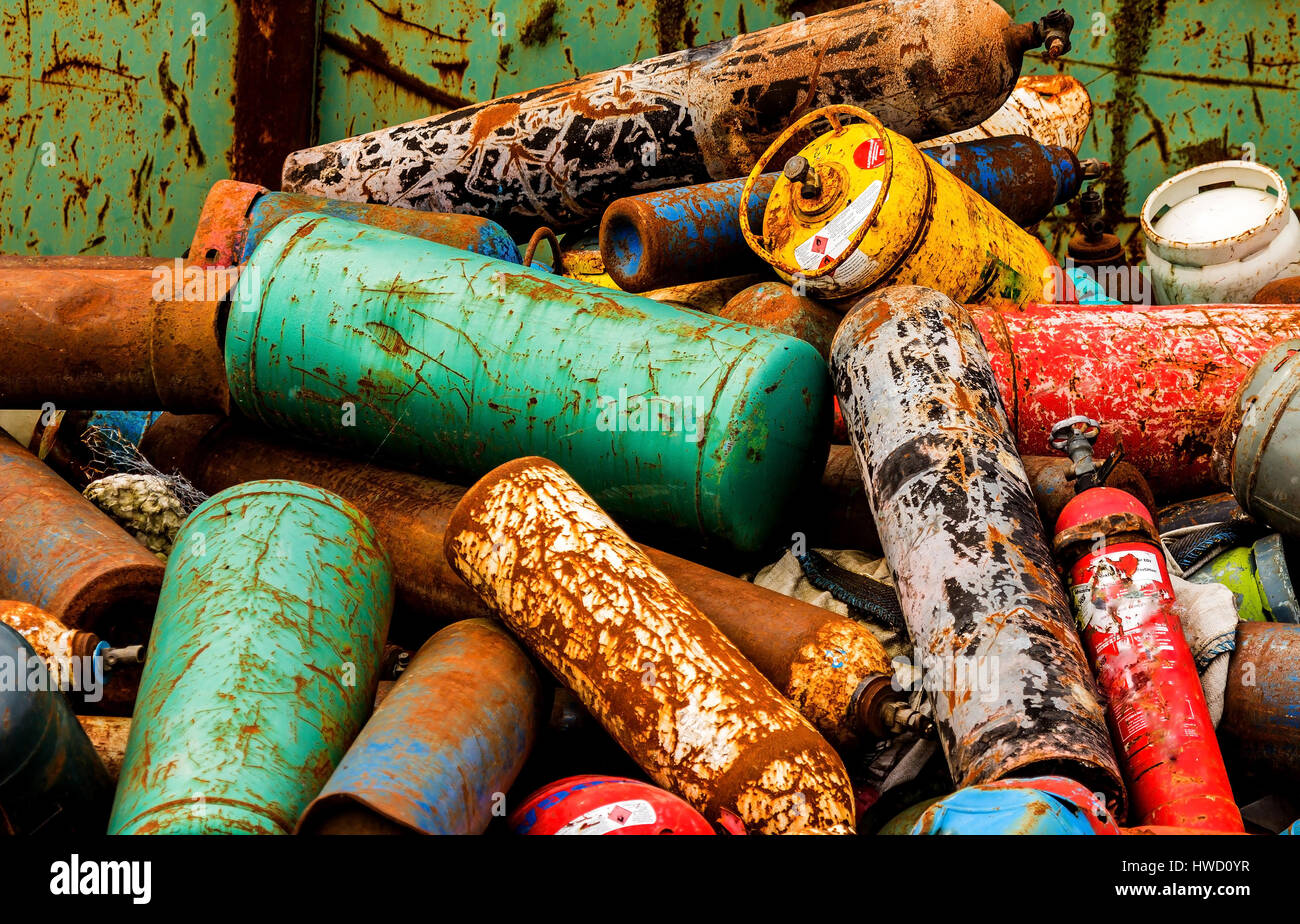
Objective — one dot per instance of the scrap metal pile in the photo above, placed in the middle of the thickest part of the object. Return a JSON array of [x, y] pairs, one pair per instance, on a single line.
[[708, 445]]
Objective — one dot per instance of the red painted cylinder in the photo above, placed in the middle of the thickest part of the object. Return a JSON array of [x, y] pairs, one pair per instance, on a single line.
[[1123, 599], [1159, 378]]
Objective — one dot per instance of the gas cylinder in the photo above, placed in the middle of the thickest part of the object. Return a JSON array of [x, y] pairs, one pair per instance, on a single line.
[[1259, 579], [561, 153], [426, 356], [595, 805], [443, 747], [262, 664], [236, 216], [1106, 541], [1258, 444], [675, 236], [1217, 232], [1044, 805], [861, 207], [83, 665], [51, 781], [1050, 108], [667, 685]]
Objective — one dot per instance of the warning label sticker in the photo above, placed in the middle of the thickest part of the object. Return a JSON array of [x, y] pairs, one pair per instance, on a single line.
[[833, 239]]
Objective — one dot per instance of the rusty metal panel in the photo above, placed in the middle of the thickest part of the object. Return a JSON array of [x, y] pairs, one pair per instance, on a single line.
[[115, 123], [1175, 85], [384, 62]]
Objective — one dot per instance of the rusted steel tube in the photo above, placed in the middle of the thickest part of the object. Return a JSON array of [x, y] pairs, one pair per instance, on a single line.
[[1050, 108], [98, 338], [59, 552], [446, 743], [79, 261], [1007, 677], [236, 216], [1159, 378], [676, 236], [108, 735], [820, 661], [1260, 728], [561, 153], [663, 681]]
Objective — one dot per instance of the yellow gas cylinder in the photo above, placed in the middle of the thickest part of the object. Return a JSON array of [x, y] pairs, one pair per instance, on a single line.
[[862, 207]]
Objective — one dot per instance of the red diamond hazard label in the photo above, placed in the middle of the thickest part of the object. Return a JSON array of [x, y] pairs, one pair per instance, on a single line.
[[819, 244]]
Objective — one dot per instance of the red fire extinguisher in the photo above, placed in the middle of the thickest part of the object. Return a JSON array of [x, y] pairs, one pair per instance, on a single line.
[[1107, 543]]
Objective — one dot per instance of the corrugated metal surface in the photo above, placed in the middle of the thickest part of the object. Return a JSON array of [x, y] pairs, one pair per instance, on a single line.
[[114, 122], [1175, 85]]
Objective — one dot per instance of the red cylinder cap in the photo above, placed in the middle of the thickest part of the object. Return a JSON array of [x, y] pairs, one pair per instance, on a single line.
[[1095, 503]]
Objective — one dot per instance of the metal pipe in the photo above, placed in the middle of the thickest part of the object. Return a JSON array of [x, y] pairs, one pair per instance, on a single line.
[[424, 356], [1004, 669], [236, 216], [664, 682], [262, 666], [560, 154], [59, 552], [816, 658], [446, 744], [127, 339]]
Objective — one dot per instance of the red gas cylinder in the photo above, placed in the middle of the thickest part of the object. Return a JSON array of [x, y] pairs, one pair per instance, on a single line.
[[1123, 600], [605, 805]]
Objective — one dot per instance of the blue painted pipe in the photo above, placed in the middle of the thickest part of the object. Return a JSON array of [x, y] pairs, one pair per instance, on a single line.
[[678, 236], [440, 752]]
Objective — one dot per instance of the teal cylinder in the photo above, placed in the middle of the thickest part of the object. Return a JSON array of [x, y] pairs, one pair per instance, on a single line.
[[421, 355], [262, 664]]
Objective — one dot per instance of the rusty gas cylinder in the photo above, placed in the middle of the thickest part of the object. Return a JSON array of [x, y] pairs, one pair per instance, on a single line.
[[663, 681], [1006, 674], [560, 154]]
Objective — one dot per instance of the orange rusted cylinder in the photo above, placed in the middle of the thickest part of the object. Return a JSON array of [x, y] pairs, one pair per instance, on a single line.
[[774, 306], [58, 551], [664, 682], [99, 338], [829, 666], [1284, 291]]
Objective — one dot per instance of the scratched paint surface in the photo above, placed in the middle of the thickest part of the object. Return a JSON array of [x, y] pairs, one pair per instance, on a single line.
[[454, 731], [1002, 665], [262, 666], [663, 681], [1175, 85], [453, 361], [136, 113], [1160, 379]]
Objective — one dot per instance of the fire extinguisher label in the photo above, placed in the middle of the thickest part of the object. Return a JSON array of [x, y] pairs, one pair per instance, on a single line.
[[1136, 568], [611, 817], [832, 240]]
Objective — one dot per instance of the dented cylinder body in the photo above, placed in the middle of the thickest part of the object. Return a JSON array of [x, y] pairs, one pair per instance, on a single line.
[[423, 356], [51, 780], [262, 666], [1006, 674], [816, 658], [663, 681], [450, 737], [128, 339], [774, 306], [236, 216], [1260, 728], [59, 552], [1159, 378], [559, 154]]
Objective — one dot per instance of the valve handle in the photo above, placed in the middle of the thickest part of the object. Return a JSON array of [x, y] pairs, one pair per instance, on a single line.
[[1078, 426]]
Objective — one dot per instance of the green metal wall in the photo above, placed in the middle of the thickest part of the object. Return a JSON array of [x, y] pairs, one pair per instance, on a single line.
[[1176, 83], [139, 134]]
